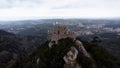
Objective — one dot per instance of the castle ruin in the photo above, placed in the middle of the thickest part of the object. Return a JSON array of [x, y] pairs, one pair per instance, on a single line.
[[60, 32]]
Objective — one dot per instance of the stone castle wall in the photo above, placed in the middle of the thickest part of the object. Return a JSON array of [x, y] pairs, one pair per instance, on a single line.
[[60, 32]]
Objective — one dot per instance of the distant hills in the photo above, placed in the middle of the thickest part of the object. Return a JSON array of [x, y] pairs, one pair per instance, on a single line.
[[13, 47], [2, 32], [54, 20]]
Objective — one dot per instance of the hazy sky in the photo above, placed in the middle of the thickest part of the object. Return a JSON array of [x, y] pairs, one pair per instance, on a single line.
[[31, 9]]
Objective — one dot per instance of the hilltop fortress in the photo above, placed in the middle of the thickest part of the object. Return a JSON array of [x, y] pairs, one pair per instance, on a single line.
[[60, 32]]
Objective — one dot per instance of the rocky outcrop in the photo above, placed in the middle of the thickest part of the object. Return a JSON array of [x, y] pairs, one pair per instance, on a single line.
[[61, 32], [81, 48], [70, 59]]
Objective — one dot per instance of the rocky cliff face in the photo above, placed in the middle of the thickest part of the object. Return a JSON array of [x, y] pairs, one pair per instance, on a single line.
[[70, 58]]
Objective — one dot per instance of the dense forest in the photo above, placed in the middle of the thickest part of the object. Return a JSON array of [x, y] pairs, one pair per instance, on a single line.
[[53, 58]]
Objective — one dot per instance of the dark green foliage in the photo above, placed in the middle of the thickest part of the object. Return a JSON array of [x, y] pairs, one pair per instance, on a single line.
[[85, 61], [102, 57], [49, 57], [5, 33], [53, 57]]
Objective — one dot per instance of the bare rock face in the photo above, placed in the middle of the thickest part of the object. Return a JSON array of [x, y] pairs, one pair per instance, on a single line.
[[70, 59], [71, 56], [81, 48]]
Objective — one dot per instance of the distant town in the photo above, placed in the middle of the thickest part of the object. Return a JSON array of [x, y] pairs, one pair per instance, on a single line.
[[80, 27]]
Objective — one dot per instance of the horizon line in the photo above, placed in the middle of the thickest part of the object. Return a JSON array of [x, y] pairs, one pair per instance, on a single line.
[[38, 18]]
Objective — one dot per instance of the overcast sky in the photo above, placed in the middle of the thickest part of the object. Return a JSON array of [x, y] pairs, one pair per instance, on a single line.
[[34, 9]]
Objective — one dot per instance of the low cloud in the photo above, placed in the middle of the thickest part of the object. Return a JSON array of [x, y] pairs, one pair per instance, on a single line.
[[20, 9]]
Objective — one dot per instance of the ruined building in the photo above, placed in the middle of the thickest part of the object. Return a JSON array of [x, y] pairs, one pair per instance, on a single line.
[[60, 32]]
